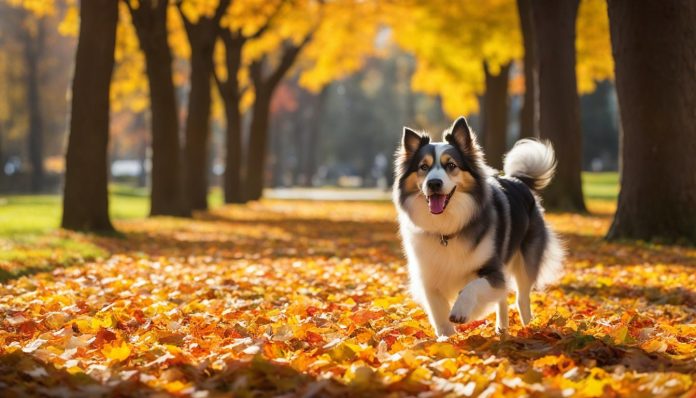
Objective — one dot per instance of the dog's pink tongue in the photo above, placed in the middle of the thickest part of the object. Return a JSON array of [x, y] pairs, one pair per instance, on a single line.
[[437, 203]]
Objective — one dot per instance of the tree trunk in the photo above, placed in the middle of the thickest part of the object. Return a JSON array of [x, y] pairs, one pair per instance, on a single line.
[[33, 48], [198, 129], [258, 138], [150, 21], [529, 117], [495, 111], [85, 201], [559, 105], [654, 49], [231, 95], [202, 36]]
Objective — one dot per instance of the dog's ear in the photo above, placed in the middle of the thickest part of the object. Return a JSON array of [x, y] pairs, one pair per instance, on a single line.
[[412, 141], [460, 135]]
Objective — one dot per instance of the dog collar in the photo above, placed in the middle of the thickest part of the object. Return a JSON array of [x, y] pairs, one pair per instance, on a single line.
[[444, 239]]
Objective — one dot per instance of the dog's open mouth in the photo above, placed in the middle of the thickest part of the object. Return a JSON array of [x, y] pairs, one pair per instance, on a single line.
[[438, 202]]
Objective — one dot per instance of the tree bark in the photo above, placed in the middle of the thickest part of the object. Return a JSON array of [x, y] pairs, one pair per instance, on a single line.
[[559, 105], [654, 49], [150, 21], [495, 111], [85, 201], [232, 96], [529, 115], [33, 49], [202, 36]]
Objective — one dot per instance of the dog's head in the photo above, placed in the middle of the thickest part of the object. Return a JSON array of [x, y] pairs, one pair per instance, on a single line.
[[439, 184]]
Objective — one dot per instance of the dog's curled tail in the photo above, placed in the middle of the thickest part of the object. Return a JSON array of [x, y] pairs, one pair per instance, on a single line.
[[532, 161]]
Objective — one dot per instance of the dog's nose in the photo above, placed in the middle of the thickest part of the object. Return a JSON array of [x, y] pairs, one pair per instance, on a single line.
[[435, 185]]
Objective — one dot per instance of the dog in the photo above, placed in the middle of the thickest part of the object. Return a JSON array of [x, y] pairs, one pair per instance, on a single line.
[[470, 233]]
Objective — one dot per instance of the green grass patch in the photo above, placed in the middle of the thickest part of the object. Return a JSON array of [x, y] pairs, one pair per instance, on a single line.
[[30, 238], [601, 186]]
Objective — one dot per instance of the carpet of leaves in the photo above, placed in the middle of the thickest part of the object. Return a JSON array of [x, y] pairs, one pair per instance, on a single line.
[[284, 298]]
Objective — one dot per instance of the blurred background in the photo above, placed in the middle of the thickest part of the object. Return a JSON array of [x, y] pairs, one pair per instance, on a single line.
[[336, 116], [234, 97]]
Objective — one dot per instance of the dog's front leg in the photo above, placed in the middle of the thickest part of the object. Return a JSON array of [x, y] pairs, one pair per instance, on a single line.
[[478, 298], [438, 311]]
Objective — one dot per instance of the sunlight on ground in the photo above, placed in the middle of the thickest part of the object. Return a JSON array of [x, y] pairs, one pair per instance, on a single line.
[[306, 298]]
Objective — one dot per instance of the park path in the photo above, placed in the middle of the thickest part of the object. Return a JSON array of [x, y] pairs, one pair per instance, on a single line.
[[304, 298]]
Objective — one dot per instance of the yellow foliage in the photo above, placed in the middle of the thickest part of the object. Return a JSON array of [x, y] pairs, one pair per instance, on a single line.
[[594, 61], [40, 8], [129, 87], [451, 41], [290, 298]]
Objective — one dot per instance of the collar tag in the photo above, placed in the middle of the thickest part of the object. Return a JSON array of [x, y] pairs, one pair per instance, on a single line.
[[444, 240]]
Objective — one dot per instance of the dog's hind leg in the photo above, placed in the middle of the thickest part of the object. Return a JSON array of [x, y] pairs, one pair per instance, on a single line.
[[524, 288]]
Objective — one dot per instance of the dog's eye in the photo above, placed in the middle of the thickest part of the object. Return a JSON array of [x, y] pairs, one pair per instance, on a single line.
[[424, 167], [450, 166]]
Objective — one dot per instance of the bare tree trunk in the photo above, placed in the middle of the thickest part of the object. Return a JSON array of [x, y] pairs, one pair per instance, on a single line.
[[559, 105], [495, 115], [654, 47], [202, 36], [85, 201], [529, 115], [150, 21], [33, 49]]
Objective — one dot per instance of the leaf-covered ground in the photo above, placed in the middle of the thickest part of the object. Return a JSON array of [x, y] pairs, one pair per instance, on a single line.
[[291, 298]]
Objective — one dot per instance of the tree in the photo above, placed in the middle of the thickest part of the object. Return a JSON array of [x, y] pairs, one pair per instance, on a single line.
[[264, 84], [232, 90], [529, 115], [495, 114], [150, 21], [323, 40], [450, 55], [85, 200], [202, 29], [656, 88], [559, 105]]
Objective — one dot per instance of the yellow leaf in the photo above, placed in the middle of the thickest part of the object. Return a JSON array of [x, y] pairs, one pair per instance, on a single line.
[[116, 352]]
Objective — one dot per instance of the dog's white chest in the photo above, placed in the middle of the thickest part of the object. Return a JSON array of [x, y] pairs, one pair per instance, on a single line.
[[446, 268]]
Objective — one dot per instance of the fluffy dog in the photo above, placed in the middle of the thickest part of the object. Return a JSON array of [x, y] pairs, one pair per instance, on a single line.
[[469, 233]]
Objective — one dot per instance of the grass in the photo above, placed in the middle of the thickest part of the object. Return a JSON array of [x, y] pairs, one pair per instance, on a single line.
[[601, 186], [31, 241]]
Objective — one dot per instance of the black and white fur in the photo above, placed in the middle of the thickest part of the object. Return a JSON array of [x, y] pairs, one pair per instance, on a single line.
[[489, 236]]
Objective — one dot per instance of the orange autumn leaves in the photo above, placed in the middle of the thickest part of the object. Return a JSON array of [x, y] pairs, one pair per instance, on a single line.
[[310, 299]]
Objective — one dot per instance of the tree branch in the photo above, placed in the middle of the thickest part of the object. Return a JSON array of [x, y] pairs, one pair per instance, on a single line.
[[287, 60]]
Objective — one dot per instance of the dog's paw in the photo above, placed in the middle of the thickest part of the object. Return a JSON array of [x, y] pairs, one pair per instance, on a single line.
[[444, 330], [462, 310]]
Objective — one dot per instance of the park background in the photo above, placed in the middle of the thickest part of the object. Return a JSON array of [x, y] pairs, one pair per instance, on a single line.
[[258, 136]]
